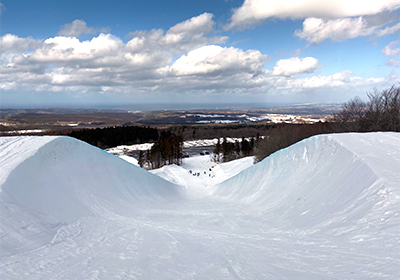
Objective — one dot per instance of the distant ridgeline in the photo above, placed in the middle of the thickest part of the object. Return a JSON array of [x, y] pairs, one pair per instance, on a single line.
[[117, 135]]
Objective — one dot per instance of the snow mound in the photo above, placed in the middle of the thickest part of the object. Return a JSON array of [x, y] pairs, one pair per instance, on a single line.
[[55, 180], [58, 175], [327, 180]]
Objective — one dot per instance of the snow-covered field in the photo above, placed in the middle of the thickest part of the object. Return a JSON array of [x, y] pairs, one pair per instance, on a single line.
[[325, 208]]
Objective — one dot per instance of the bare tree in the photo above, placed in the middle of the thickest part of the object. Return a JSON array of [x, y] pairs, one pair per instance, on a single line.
[[380, 113], [383, 112], [352, 111]]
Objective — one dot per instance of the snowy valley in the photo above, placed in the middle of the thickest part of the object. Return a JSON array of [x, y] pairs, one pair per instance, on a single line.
[[327, 207]]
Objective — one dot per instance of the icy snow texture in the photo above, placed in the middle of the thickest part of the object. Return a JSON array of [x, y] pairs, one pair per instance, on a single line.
[[325, 208]]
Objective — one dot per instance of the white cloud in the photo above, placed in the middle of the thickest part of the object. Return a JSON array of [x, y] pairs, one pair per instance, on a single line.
[[341, 82], [64, 62], [342, 79], [8, 85], [393, 62], [202, 24], [389, 50], [182, 37], [69, 49], [76, 28], [213, 59], [145, 41], [184, 59], [337, 79], [388, 30], [255, 11], [316, 30], [295, 65], [10, 42]]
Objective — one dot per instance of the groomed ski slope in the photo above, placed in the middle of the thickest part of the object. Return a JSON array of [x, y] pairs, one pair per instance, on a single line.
[[325, 208]]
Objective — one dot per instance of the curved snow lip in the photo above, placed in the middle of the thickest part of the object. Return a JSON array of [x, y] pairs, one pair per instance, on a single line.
[[14, 150], [69, 179], [323, 180]]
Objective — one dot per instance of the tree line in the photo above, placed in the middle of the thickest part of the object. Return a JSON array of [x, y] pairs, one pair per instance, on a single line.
[[380, 113], [227, 151], [166, 150], [116, 135]]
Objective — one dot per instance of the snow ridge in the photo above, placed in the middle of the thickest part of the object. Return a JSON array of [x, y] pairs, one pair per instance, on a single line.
[[63, 173], [323, 180], [56, 180]]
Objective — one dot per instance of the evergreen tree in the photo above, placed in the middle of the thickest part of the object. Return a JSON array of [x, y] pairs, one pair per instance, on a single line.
[[237, 149], [141, 159], [246, 147], [166, 150], [217, 151]]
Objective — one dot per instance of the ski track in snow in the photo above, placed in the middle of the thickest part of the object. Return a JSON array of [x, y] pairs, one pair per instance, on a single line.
[[325, 208]]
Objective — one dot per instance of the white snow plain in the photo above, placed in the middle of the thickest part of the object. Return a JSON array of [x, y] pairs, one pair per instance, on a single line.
[[325, 208]]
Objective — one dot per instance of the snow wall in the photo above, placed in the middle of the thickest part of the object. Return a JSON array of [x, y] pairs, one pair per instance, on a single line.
[[48, 181], [326, 181]]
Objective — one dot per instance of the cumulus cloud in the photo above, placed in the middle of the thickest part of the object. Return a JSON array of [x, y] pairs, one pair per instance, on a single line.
[[388, 30], [187, 58], [389, 50], [106, 64], [295, 65], [316, 30], [66, 49], [200, 25], [66, 62], [214, 59], [78, 27], [255, 11], [10, 42], [182, 37]]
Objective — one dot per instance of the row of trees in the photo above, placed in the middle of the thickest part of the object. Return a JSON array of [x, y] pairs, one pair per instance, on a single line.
[[286, 135], [166, 150], [380, 113], [227, 151], [212, 131], [116, 135]]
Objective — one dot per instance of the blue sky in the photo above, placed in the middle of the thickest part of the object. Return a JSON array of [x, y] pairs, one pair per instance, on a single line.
[[99, 53]]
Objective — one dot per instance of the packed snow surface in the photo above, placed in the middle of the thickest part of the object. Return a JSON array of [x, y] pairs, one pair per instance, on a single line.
[[325, 208]]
